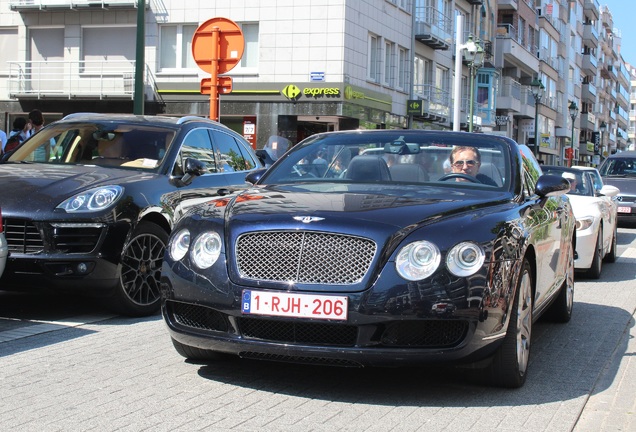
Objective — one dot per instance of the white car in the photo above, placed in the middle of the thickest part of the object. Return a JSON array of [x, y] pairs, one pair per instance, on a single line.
[[4, 248], [596, 218]]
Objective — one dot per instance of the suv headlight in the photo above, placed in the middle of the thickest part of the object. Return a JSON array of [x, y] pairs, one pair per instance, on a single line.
[[92, 200]]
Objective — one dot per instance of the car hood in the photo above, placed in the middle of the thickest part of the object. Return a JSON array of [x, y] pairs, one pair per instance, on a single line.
[[32, 187], [627, 185], [349, 208], [585, 206]]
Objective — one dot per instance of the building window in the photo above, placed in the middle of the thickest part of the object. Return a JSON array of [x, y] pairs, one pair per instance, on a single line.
[[373, 66], [249, 61], [389, 63], [176, 47], [9, 47], [107, 45], [422, 72], [403, 64]]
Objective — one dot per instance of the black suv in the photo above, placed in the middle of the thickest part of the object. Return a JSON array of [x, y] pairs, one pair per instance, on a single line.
[[89, 201]]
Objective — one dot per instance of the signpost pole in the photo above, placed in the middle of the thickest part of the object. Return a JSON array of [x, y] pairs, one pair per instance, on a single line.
[[214, 71]]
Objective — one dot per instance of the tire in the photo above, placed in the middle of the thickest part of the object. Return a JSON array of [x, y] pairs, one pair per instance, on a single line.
[[138, 291], [611, 255], [594, 272], [510, 362], [197, 354], [561, 310]]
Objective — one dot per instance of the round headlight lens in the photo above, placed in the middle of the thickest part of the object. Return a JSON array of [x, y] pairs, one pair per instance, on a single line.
[[206, 249], [417, 260], [180, 244], [465, 259]]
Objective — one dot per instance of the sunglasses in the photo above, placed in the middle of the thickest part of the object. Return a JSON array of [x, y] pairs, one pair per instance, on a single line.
[[470, 163]]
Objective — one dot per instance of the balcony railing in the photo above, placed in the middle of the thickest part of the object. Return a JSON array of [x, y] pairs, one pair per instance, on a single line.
[[77, 79], [23, 5]]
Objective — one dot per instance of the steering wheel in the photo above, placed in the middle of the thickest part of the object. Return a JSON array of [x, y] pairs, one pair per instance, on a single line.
[[459, 175]]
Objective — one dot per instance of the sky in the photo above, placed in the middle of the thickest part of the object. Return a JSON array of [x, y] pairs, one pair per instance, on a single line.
[[623, 16]]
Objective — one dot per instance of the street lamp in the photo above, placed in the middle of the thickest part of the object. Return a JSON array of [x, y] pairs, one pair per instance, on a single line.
[[537, 88], [574, 111], [474, 55], [603, 128]]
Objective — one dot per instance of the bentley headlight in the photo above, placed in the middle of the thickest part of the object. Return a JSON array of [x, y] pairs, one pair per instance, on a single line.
[[465, 259], [180, 244], [92, 200], [584, 223], [417, 260], [206, 249]]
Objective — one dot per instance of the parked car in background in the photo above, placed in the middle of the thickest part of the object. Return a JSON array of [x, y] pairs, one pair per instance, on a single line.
[[89, 201], [596, 219], [620, 170], [4, 248], [344, 260]]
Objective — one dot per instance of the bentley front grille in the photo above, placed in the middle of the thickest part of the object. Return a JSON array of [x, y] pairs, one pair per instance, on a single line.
[[304, 257]]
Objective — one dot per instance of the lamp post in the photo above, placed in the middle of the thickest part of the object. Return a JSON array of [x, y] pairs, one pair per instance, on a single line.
[[474, 54], [603, 128], [574, 111], [537, 88]]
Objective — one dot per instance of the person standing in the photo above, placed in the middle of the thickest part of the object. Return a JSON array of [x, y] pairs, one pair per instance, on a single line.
[[37, 121]]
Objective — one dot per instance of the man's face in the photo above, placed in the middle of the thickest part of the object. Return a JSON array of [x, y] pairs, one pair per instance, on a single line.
[[466, 162]]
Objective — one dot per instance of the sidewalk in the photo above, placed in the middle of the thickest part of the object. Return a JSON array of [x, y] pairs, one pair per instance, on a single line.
[[614, 408]]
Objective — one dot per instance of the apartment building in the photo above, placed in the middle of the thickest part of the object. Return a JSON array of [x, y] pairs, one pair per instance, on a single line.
[[317, 65]]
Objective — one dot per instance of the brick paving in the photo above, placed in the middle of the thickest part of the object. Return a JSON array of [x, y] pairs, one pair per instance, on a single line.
[[96, 372]]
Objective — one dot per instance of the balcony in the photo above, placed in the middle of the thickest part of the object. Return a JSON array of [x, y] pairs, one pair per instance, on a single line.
[[588, 92], [75, 80], [509, 96], [591, 9], [433, 28], [436, 102], [510, 52], [590, 35], [590, 64], [507, 5], [588, 120], [47, 5]]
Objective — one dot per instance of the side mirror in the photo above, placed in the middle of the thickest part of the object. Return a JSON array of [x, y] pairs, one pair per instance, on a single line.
[[609, 191], [255, 175], [192, 167], [550, 185]]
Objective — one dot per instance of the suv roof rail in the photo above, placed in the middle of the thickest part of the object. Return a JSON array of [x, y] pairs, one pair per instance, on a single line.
[[77, 114], [185, 119]]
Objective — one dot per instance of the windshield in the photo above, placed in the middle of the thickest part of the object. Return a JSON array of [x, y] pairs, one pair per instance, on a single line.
[[619, 167], [396, 157], [123, 145]]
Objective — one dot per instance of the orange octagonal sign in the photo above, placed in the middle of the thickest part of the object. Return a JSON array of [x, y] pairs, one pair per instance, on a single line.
[[219, 57]]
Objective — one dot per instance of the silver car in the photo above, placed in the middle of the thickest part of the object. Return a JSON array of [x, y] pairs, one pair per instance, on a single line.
[[620, 170]]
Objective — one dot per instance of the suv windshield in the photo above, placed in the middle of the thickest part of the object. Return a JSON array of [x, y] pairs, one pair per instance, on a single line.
[[120, 145], [619, 166]]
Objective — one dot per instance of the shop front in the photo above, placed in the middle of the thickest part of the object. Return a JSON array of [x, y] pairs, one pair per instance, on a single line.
[[291, 110]]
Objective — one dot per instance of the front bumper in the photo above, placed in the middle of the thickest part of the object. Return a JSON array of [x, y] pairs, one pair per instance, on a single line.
[[400, 325], [63, 255]]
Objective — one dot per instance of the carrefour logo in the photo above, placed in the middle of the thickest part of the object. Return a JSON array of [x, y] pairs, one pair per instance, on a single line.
[[293, 93]]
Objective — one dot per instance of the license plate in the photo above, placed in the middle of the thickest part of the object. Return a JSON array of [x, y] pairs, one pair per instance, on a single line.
[[294, 305], [624, 209]]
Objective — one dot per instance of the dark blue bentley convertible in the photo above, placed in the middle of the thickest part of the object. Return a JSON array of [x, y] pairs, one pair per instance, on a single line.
[[388, 247]]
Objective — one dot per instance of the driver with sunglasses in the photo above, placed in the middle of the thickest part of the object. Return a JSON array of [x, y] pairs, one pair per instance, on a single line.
[[467, 160]]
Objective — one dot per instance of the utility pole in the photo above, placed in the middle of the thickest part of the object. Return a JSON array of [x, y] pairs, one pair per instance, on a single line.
[[140, 59]]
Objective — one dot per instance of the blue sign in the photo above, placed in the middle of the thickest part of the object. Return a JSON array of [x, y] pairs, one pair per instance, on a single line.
[[316, 76]]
